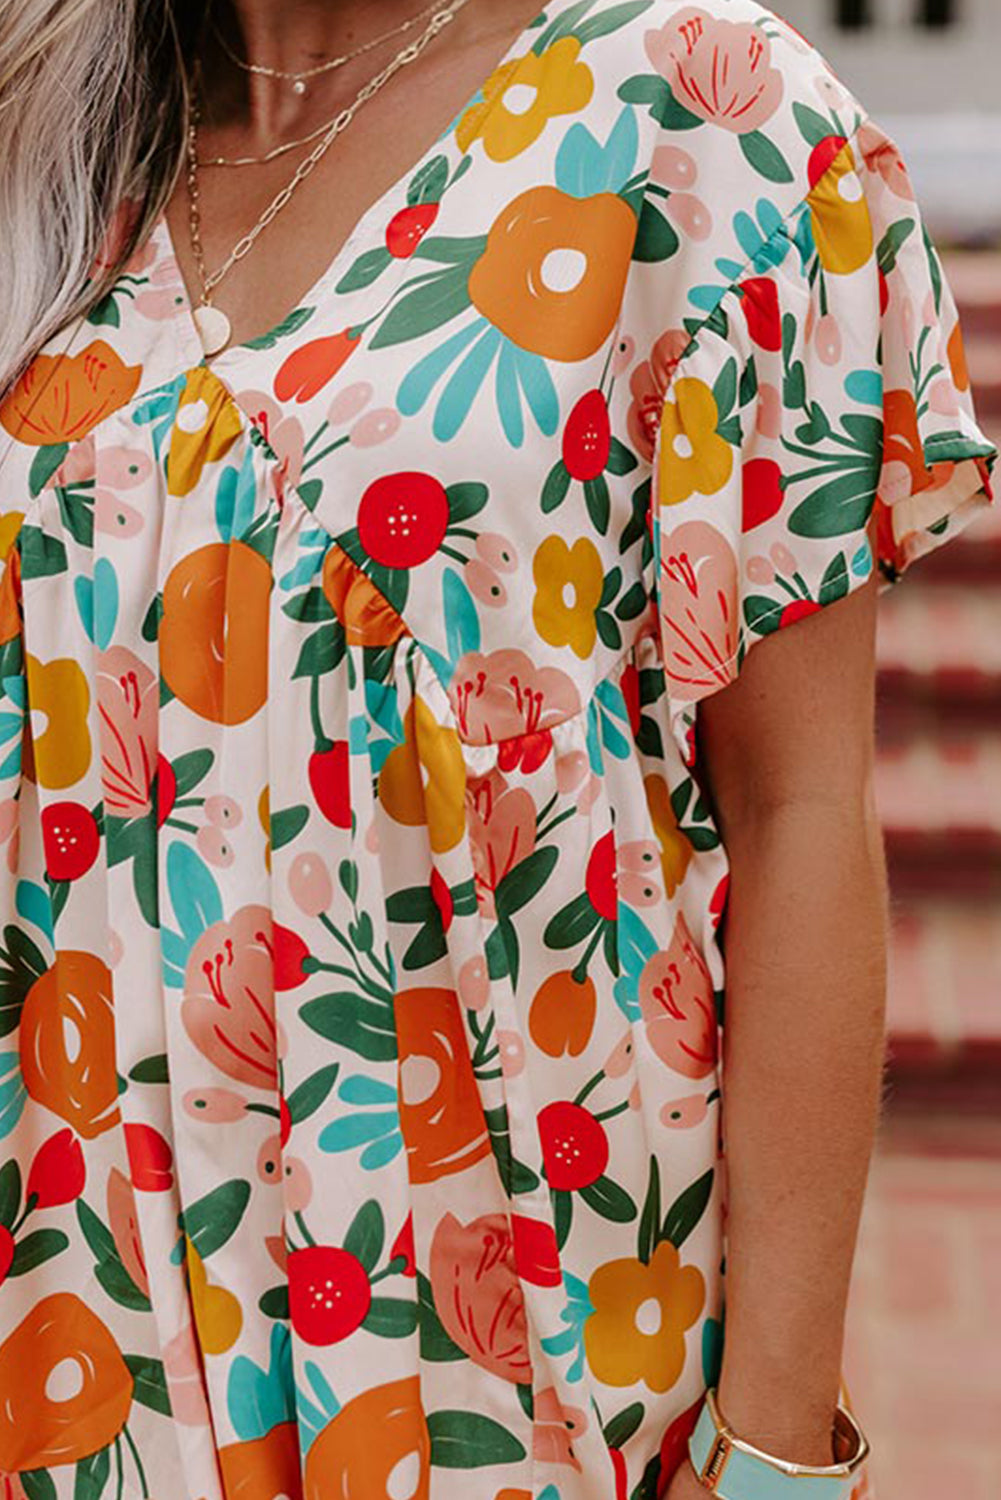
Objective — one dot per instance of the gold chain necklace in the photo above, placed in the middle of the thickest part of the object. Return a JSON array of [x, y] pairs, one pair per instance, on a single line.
[[213, 325], [299, 78]]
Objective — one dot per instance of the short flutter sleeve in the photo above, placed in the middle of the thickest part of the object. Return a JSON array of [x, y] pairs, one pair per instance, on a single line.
[[818, 423]]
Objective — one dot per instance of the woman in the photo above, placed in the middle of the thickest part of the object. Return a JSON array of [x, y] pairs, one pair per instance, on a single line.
[[390, 544]]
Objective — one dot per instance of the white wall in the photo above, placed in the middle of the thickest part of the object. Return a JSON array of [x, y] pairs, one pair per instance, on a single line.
[[938, 92]]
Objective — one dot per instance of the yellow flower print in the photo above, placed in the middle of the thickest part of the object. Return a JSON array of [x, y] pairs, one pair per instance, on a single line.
[[558, 569], [206, 427], [694, 459], [61, 752], [218, 1315], [560, 84], [636, 1331], [675, 849], [423, 781]]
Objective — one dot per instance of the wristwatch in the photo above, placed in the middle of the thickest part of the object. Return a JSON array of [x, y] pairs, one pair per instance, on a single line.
[[735, 1470]]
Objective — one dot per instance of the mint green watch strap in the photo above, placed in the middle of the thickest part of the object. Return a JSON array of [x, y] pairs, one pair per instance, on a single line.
[[745, 1477]]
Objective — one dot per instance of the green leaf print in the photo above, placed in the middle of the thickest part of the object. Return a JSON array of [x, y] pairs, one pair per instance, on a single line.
[[620, 1428], [366, 1235], [391, 1318], [20, 965], [840, 506], [469, 1440], [44, 464], [287, 824], [609, 1200], [429, 305], [765, 157], [120, 1287], [38, 1484], [598, 502], [515, 1176], [892, 243], [610, 20], [366, 1027], [92, 1475], [450, 250], [686, 1210], [652, 90], [365, 270], [307, 1098], [35, 1249], [435, 1344], [150, 1385], [556, 487], [656, 239], [834, 584], [274, 1302], [295, 320], [10, 1192], [524, 881], [213, 1220], [42, 556], [812, 126], [649, 1229], [428, 184]]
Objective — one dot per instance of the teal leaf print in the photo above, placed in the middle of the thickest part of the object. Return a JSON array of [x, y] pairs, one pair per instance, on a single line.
[[213, 1220], [463, 386], [35, 905], [865, 386], [712, 1349], [462, 625], [584, 167], [765, 157], [417, 385], [259, 1400], [193, 891], [13, 1095], [469, 1440]]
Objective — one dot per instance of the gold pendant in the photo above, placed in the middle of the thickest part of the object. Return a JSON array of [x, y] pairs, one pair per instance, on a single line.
[[213, 328]]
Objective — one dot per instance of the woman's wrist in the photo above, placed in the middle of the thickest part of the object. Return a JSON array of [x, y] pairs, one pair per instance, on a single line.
[[793, 1423]]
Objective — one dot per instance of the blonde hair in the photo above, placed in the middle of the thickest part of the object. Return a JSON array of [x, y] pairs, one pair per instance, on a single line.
[[93, 110]]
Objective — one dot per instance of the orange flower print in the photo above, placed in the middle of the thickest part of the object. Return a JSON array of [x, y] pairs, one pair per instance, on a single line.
[[719, 70], [367, 616], [543, 87], [218, 671], [423, 781], [228, 1009], [478, 1295], [311, 366], [552, 274], [44, 1421], [59, 398], [264, 1467], [636, 1332], [441, 1117], [676, 1002], [67, 1041], [344, 1463]]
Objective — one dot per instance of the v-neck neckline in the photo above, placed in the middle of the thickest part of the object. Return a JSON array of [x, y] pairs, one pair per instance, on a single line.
[[232, 355]]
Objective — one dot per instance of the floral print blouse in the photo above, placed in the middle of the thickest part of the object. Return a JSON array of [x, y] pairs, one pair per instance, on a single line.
[[361, 979]]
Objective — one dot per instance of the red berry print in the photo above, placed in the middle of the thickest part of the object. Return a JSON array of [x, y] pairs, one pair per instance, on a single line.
[[330, 782], [402, 519], [798, 609], [574, 1146], [57, 1173], [601, 879], [403, 1247], [70, 839], [762, 492], [760, 306], [629, 682], [824, 154], [284, 1120], [150, 1159], [329, 1293], [587, 437], [6, 1252], [288, 955], [407, 228], [166, 790]]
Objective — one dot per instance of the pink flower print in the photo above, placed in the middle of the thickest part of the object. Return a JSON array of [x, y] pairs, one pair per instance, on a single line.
[[505, 696], [182, 1366], [649, 384], [720, 70], [283, 434], [128, 695], [639, 872], [216, 1106], [555, 1428], [698, 603], [79, 465], [683, 1113], [120, 467], [123, 1222], [501, 822], [478, 1295], [676, 1002], [229, 997], [882, 156]]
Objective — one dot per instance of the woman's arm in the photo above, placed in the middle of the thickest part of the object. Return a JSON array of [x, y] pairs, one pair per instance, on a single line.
[[789, 752]]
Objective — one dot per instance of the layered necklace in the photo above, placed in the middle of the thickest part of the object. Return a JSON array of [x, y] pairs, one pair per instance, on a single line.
[[214, 328]]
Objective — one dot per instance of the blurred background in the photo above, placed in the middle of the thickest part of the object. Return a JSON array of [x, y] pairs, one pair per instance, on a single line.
[[923, 1353]]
